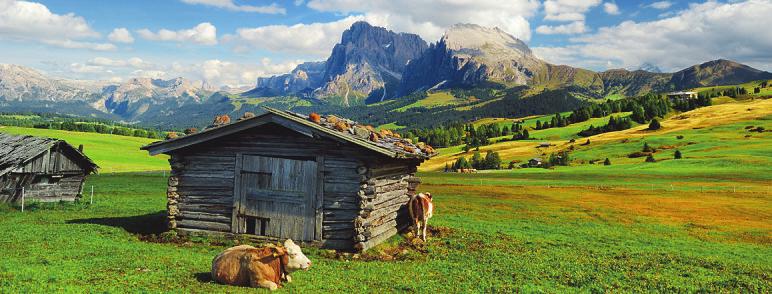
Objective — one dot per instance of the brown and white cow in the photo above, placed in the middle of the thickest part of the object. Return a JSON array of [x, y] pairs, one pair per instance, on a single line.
[[264, 267], [421, 209]]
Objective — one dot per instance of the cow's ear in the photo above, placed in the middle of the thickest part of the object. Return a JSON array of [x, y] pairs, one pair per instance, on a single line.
[[288, 243], [428, 195], [278, 251]]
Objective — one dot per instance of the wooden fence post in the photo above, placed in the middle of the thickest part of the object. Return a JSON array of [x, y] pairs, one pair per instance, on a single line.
[[22, 199], [92, 195]]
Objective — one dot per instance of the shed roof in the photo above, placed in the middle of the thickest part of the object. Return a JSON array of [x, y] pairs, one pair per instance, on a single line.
[[350, 132], [18, 149]]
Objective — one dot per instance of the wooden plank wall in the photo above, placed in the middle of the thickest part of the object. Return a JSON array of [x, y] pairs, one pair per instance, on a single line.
[[200, 193], [384, 197]]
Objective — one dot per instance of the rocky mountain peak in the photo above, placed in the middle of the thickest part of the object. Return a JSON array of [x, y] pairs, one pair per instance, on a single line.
[[471, 36]]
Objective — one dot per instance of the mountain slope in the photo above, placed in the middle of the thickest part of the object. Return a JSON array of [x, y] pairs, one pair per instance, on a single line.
[[368, 61], [716, 72]]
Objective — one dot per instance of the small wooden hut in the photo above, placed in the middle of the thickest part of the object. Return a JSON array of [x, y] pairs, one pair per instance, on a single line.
[[323, 180], [47, 169]]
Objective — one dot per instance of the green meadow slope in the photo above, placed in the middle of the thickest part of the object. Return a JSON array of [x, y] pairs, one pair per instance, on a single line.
[[111, 152]]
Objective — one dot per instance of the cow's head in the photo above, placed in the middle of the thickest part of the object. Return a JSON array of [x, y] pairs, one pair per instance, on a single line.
[[297, 260]]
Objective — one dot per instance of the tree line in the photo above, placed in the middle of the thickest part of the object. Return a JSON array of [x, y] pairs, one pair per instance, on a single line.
[[56, 122]]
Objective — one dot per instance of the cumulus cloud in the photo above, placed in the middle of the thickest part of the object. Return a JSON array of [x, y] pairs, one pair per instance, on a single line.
[[315, 39], [32, 21], [225, 73], [568, 10], [692, 36], [576, 27], [134, 62], [120, 35], [213, 72], [204, 34], [273, 8], [430, 19], [611, 8], [660, 5]]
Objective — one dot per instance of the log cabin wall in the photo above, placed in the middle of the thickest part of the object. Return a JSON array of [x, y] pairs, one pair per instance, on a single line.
[[201, 185], [52, 176], [384, 194]]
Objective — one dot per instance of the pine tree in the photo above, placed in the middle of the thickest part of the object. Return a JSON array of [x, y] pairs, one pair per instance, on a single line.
[[538, 125], [526, 135], [654, 125], [677, 154], [607, 161], [647, 148], [650, 158]]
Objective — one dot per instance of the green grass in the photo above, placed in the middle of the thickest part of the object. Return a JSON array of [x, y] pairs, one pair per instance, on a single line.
[[434, 99], [390, 126], [111, 152], [499, 238], [699, 224]]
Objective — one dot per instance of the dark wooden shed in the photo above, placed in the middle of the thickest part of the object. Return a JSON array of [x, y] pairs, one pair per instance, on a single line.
[[48, 169], [326, 180]]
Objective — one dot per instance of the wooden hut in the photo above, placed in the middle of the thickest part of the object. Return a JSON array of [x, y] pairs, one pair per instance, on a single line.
[[323, 180], [47, 169]]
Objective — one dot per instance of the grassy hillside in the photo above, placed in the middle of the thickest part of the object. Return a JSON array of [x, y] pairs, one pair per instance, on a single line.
[[111, 152], [716, 134]]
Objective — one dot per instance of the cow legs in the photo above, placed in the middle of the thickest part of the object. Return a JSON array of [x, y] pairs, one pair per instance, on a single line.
[[263, 283], [424, 228], [417, 225]]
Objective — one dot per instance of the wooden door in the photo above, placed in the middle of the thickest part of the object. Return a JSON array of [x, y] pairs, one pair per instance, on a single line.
[[277, 197]]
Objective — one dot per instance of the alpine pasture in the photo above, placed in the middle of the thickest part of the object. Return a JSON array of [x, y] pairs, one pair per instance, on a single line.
[[700, 223]]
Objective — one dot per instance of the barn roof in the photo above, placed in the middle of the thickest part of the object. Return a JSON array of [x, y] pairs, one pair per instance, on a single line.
[[329, 126], [18, 149]]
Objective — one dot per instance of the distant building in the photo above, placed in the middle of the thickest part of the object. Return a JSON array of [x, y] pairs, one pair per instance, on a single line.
[[544, 145], [536, 161], [681, 95], [41, 169]]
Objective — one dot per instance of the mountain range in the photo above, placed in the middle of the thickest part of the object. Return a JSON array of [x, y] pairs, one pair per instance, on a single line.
[[369, 65]]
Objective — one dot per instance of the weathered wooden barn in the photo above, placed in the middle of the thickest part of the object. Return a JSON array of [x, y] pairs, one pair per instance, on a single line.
[[324, 180], [48, 169]]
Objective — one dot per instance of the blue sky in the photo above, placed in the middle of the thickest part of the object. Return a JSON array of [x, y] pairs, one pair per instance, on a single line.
[[231, 42]]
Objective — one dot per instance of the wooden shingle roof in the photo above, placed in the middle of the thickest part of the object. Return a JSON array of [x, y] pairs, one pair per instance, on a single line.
[[335, 128], [18, 149]]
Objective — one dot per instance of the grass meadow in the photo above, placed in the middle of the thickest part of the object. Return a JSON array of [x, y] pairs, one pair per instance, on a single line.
[[699, 224], [499, 234], [112, 153]]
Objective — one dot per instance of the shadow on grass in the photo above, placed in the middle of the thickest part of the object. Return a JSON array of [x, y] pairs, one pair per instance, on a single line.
[[203, 277], [146, 224]]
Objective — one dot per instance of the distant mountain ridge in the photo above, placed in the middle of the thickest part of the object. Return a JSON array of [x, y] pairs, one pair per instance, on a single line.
[[370, 64], [368, 59], [466, 56]]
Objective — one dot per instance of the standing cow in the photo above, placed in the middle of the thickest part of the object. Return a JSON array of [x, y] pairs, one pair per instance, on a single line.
[[421, 209], [265, 267]]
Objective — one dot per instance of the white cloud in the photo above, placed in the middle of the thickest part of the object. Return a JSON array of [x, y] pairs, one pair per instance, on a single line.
[[692, 36], [568, 10], [213, 72], [430, 19], [134, 62], [316, 39], [576, 27], [611, 8], [273, 8], [218, 72], [120, 35], [661, 5], [32, 21], [204, 34]]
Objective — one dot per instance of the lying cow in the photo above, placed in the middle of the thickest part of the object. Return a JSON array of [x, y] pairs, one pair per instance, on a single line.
[[265, 267], [421, 209]]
